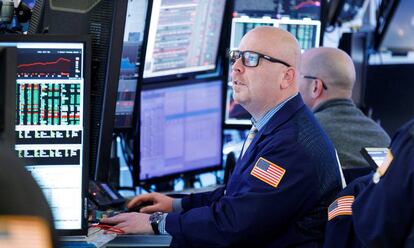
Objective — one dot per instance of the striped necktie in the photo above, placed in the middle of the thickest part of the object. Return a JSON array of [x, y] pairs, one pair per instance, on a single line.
[[250, 137]]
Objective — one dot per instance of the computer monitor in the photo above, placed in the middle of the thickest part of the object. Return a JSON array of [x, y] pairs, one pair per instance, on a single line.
[[184, 37], [181, 129], [8, 60], [51, 128], [130, 63], [306, 31], [394, 31], [295, 9], [104, 22]]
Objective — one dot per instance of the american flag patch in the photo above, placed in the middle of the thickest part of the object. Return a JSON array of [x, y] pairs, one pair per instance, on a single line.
[[268, 172], [341, 206]]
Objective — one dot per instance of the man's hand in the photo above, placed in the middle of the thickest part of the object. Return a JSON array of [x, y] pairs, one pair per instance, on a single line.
[[130, 223], [160, 203]]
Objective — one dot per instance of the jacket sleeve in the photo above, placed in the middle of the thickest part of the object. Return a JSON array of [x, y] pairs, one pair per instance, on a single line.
[[256, 210], [201, 199], [383, 213]]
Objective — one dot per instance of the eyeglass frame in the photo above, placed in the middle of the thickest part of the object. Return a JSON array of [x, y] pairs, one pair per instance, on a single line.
[[316, 78], [260, 55]]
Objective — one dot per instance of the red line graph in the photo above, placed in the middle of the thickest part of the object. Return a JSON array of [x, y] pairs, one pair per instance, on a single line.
[[44, 63], [307, 4]]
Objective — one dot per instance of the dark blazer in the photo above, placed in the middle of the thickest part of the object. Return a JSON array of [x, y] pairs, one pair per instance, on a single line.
[[250, 211], [383, 212]]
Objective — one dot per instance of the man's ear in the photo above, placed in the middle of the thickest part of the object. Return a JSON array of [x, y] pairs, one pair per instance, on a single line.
[[288, 78], [317, 88]]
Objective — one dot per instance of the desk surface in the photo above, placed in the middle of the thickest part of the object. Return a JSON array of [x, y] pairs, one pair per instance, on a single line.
[[140, 241]]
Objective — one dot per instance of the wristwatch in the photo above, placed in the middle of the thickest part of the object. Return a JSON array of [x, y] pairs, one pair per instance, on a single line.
[[155, 220]]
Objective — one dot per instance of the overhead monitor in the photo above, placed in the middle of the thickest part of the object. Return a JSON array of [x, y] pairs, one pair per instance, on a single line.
[[306, 31], [394, 31], [52, 121], [181, 129], [184, 37], [295, 9], [130, 62]]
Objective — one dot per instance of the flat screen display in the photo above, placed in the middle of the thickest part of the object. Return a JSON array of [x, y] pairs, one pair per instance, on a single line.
[[50, 123], [181, 129], [184, 36]]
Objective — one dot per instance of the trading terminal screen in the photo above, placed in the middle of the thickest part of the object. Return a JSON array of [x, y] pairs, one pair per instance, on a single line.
[[49, 123], [131, 55], [181, 129], [184, 36], [294, 9]]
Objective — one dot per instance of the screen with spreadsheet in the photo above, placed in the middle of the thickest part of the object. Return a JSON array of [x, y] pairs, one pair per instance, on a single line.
[[50, 123], [181, 129], [184, 36]]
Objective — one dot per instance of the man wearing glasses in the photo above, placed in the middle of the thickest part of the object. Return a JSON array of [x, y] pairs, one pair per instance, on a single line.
[[285, 178], [326, 82]]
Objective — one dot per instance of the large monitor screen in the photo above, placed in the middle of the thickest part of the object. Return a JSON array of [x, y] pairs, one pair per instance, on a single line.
[[181, 129], [183, 37], [51, 123], [130, 63], [296, 9]]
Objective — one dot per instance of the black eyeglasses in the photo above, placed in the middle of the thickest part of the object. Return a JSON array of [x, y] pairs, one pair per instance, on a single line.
[[251, 59], [316, 78]]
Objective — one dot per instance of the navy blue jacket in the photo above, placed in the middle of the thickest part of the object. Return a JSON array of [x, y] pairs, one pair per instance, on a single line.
[[249, 211], [383, 213]]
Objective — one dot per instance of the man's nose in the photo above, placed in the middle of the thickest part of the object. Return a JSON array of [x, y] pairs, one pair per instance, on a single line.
[[237, 66]]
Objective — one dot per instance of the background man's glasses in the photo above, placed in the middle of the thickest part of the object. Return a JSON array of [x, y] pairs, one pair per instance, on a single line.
[[251, 59], [316, 78]]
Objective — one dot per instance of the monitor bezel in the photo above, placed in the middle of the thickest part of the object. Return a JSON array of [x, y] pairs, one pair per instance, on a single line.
[[190, 74], [215, 167], [8, 56], [85, 40]]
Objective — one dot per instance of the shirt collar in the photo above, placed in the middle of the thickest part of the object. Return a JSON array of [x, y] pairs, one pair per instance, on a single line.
[[259, 124]]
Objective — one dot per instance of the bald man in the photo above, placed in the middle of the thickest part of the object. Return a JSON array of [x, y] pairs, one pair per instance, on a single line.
[[287, 175], [326, 82]]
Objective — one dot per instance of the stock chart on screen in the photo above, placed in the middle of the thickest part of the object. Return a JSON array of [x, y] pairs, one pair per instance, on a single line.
[[50, 122]]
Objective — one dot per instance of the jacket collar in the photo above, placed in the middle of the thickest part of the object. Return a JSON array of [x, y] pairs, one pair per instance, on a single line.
[[333, 102], [283, 115]]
